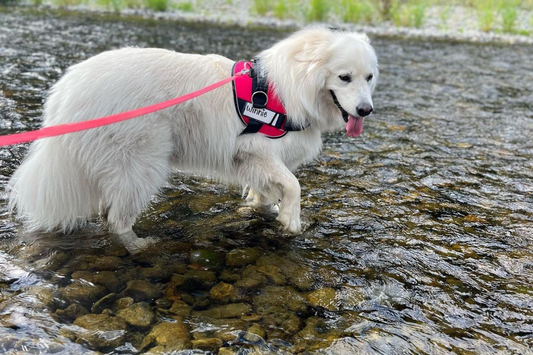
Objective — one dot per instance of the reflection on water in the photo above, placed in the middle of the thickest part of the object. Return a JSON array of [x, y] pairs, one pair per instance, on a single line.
[[418, 235]]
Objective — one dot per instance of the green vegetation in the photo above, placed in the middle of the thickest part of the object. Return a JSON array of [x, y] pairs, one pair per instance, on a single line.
[[156, 5], [356, 11], [318, 10], [505, 16], [261, 6], [185, 6]]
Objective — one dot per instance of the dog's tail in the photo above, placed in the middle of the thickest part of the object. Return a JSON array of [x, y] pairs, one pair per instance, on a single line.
[[50, 191]]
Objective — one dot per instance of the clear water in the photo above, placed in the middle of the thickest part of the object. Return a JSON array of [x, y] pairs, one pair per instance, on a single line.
[[422, 227]]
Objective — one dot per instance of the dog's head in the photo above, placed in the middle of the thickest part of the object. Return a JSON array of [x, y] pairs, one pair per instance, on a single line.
[[324, 77]]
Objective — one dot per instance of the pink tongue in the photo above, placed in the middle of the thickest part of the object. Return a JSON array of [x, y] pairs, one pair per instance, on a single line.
[[354, 127]]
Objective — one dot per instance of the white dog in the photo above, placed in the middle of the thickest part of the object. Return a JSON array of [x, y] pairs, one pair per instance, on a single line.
[[323, 77]]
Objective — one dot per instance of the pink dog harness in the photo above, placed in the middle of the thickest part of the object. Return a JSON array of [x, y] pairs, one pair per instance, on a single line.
[[258, 107]]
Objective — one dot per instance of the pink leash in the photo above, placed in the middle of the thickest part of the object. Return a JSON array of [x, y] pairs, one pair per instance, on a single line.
[[107, 120]]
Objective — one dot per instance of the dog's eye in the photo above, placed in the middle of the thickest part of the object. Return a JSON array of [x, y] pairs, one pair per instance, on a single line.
[[346, 77], [370, 77]]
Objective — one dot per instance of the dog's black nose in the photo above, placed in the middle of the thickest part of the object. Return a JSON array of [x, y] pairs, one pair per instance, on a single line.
[[364, 110]]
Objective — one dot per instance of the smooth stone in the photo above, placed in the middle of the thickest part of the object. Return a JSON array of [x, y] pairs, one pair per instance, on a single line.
[[72, 312], [101, 330], [302, 278], [108, 279], [100, 262], [206, 258], [163, 303], [228, 276], [324, 298], [168, 334], [273, 273], [82, 293], [222, 292], [210, 344], [242, 257], [255, 333], [122, 303], [280, 319], [280, 296], [156, 273], [138, 315], [180, 308], [141, 290], [232, 310]]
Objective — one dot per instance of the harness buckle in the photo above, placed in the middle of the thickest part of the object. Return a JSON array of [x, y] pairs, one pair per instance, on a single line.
[[259, 99]]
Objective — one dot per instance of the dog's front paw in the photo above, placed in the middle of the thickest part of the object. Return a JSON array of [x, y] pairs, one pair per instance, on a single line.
[[290, 224]]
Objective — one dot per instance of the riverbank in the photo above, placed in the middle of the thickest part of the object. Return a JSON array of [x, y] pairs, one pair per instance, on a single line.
[[438, 22]]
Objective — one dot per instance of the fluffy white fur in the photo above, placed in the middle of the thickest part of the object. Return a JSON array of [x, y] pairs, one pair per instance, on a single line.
[[115, 170]]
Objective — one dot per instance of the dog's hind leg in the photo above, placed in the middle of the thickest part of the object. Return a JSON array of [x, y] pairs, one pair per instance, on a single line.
[[128, 183], [270, 179]]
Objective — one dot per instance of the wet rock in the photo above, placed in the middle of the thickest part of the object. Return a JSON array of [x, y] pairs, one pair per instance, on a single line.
[[302, 278], [251, 278], [211, 344], [105, 302], [138, 315], [206, 258], [232, 310], [227, 329], [108, 279], [255, 333], [99, 262], [169, 334], [56, 261], [72, 312], [156, 273], [228, 276], [226, 351], [191, 280], [101, 330], [180, 308], [122, 303], [141, 290], [222, 292], [242, 257], [324, 298], [327, 276], [273, 273], [82, 293], [279, 322], [163, 303], [280, 296]]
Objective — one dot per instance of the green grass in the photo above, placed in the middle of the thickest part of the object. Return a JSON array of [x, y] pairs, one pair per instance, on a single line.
[[485, 18], [156, 5], [509, 15], [357, 11], [185, 6], [408, 14], [261, 6], [318, 10]]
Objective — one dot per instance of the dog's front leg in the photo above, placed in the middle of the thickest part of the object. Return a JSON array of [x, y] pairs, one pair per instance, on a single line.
[[270, 178]]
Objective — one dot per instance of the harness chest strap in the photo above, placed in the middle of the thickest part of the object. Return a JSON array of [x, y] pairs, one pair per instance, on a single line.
[[257, 105]]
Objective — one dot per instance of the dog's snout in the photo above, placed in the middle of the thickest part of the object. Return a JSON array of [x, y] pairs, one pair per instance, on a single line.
[[364, 110]]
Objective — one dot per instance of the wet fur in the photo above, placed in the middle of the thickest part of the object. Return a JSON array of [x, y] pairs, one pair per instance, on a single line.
[[115, 170]]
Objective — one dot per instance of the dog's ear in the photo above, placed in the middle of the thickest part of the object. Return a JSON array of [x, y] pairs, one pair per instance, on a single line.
[[315, 47]]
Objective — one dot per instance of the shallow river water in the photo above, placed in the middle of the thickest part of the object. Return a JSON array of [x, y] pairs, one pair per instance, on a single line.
[[418, 235]]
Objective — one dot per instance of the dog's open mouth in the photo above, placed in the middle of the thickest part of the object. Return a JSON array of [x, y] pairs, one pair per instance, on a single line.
[[354, 125]]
